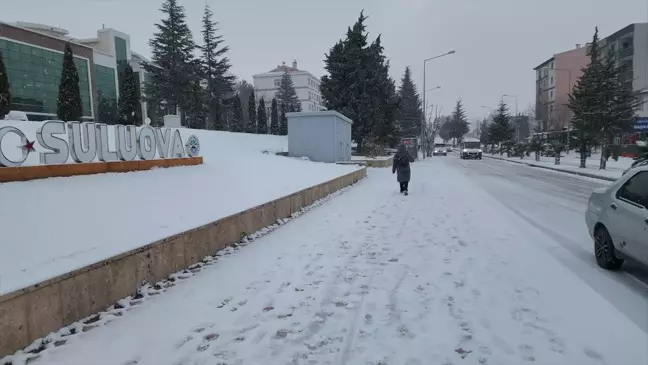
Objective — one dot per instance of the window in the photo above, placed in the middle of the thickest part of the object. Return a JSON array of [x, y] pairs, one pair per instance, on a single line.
[[635, 190], [551, 94], [34, 75], [551, 80], [277, 82]]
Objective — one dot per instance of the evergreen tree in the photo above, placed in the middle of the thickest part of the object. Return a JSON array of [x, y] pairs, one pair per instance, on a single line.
[[501, 131], [69, 107], [359, 87], [287, 94], [262, 118], [274, 118], [411, 113], [251, 126], [5, 93], [197, 107], [483, 133], [445, 128], [215, 66], [622, 104], [460, 125], [283, 126], [129, 98], [588, 100], [245, 89], [173, 68], [237, 116]]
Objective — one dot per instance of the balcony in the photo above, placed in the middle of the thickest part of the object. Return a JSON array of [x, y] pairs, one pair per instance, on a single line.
[[625, 52]]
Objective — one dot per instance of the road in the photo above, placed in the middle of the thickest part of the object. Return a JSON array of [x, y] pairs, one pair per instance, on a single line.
[[554, 203], [483, 263]]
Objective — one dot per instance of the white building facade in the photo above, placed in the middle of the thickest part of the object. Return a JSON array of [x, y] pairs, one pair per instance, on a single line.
[[307, 87]]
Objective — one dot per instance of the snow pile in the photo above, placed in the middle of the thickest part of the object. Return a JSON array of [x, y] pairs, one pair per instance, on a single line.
[[52, 226], [144, 293]]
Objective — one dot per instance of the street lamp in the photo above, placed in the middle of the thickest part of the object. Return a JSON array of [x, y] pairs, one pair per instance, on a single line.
[[434, 88], [424, 92]]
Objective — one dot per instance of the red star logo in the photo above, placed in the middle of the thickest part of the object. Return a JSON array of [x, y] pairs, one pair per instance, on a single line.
[[29, 146]]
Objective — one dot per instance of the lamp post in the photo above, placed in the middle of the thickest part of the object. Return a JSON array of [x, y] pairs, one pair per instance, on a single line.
[[517, 120], [569, 75], [424, 90]]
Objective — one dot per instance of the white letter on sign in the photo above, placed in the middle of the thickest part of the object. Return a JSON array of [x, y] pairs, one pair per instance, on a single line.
[[146, 143], [57, 145], [126, 141], [178, 147], [163, 141], [103, 149], [78, 135], [4, 160]]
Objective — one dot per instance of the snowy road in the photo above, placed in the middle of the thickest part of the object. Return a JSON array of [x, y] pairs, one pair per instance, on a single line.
[[459, 272], [554, 203]]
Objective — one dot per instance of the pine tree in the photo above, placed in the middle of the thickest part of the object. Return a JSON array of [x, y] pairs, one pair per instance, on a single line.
[[621, 107], [172, 69], [5, 93], [589, 100], [252, 123], [287, 94], [262, 118], [274, 118], [215, 66], [483, 133], [358, 86], [501, 131], [129, 98], [237, 116], [411, 113], [69, 107], [460, 125], [283, 124], [197, 107]]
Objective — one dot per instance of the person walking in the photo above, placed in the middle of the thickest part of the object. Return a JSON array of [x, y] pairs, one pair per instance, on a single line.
[[401, 165]]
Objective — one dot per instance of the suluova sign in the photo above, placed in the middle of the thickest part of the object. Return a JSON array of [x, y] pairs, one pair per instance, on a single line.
[[87, 141]]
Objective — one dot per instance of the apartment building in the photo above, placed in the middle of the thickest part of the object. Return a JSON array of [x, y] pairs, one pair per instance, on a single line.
[[555, 79], [266, 85], [33, 56], [630, 46]]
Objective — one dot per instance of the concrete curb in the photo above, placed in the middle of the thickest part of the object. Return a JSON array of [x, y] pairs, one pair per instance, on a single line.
[[585, 174]]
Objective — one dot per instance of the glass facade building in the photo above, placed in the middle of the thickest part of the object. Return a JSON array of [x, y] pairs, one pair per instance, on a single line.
[[34, 76]]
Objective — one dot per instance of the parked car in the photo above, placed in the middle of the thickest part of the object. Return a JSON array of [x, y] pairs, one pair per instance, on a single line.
[[449, 149], [617, 220]]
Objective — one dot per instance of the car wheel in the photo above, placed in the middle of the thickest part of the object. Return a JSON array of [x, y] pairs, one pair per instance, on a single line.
[[604, 250]]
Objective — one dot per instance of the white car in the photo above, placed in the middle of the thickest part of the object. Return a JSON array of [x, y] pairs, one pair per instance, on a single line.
[[439, 151], [617, 220]]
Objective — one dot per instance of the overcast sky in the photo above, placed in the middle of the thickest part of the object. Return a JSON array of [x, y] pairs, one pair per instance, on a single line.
[[497, 42]]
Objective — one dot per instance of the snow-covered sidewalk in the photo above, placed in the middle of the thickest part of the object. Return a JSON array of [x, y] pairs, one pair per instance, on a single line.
[[570, 164], [446, 275]]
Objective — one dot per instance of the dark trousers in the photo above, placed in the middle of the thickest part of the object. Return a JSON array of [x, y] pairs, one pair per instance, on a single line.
[[403, 186]]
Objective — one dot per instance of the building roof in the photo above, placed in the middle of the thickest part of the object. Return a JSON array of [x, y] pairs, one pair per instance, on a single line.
[[284, 68], [544, 63]]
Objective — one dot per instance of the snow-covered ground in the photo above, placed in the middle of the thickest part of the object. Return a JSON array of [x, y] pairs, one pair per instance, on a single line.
[[571, 163], [448, 275], [52, 226]]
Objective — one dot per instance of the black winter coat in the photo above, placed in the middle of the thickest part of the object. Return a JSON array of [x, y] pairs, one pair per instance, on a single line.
[[401, 166]]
